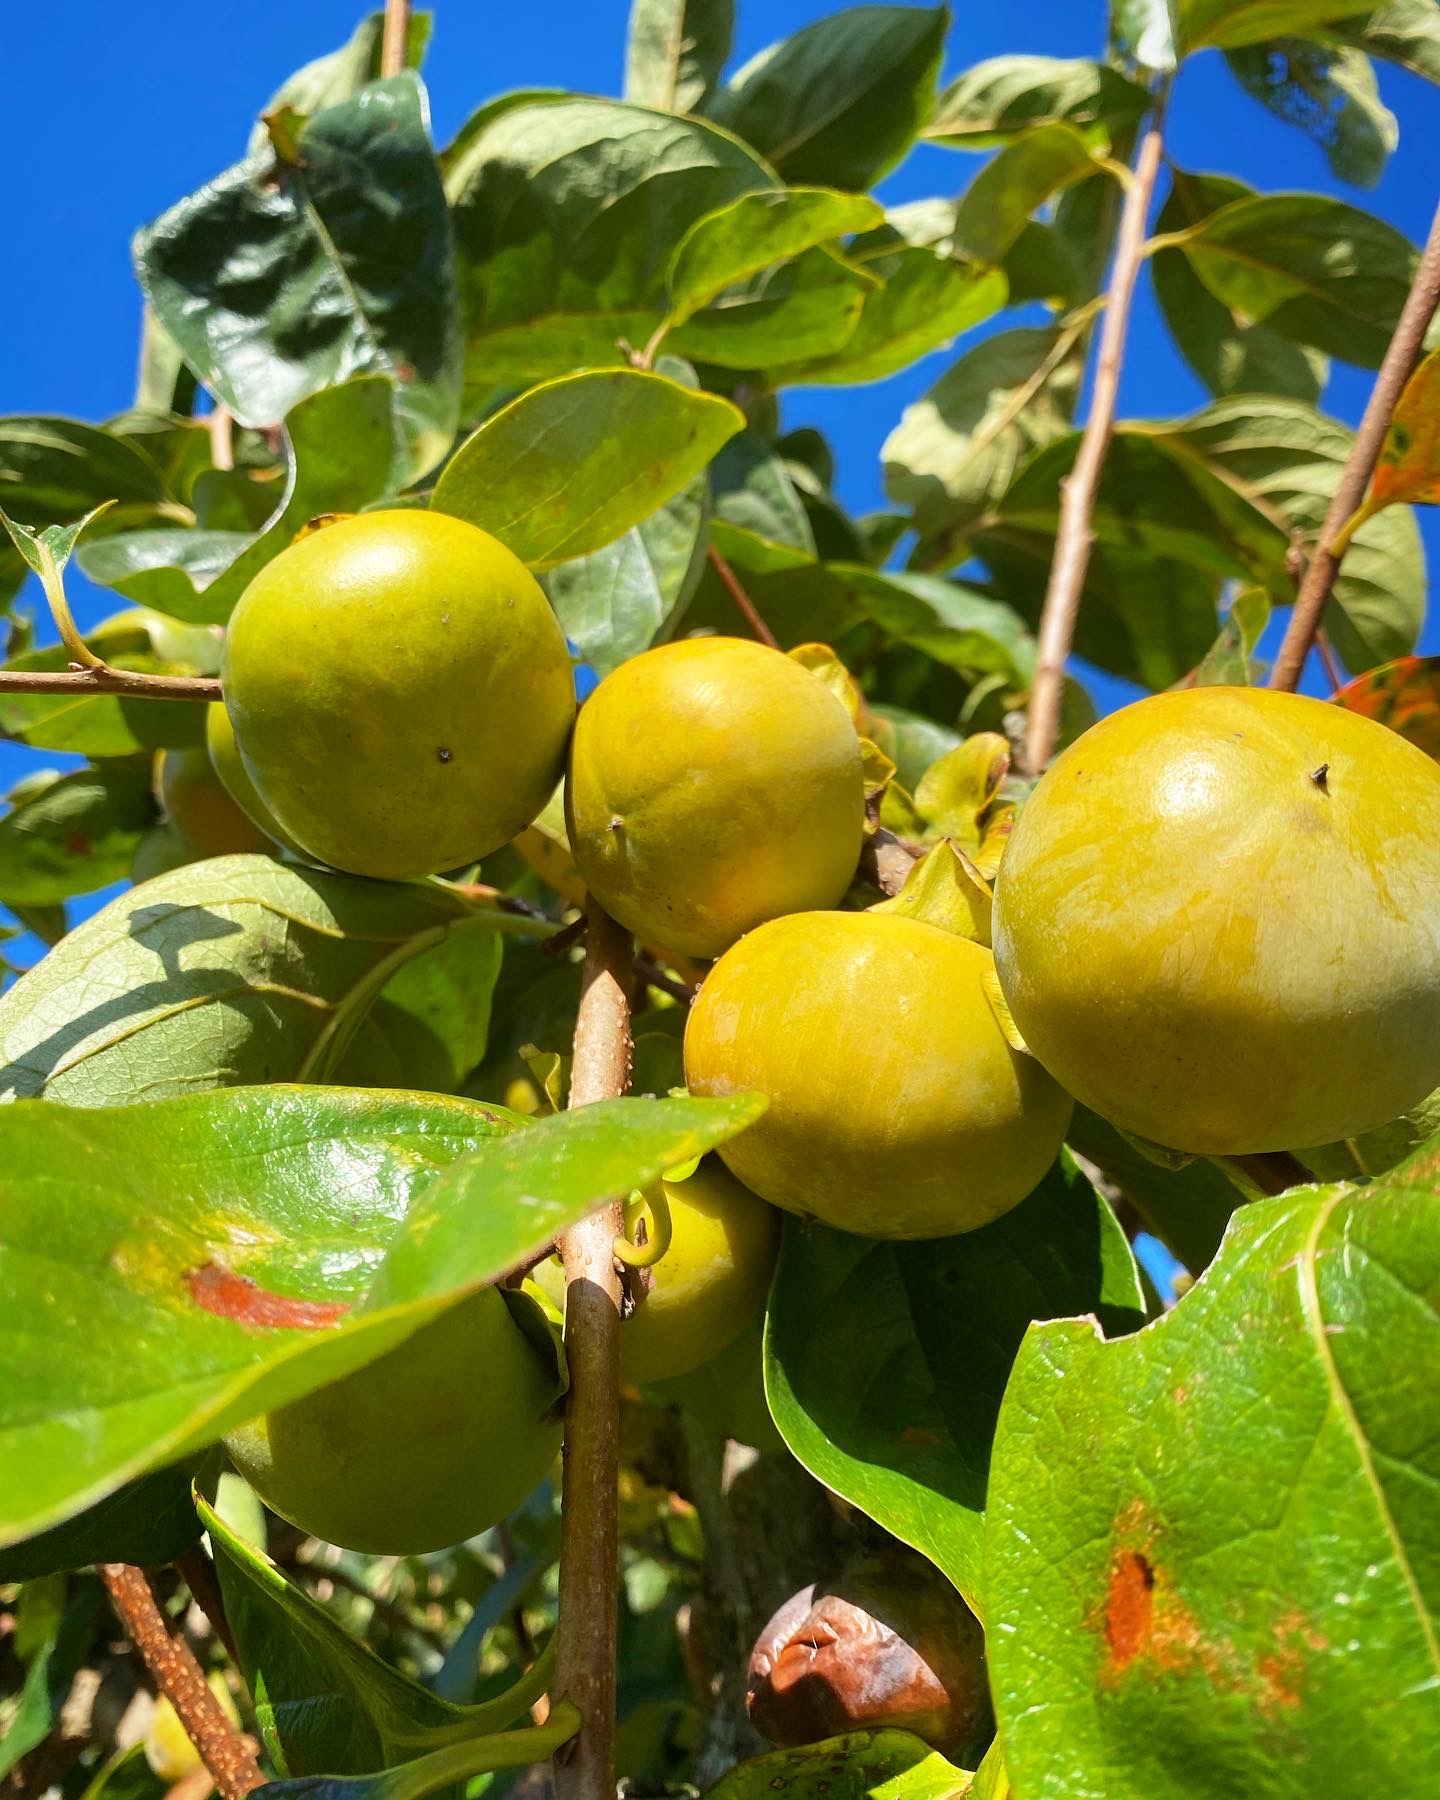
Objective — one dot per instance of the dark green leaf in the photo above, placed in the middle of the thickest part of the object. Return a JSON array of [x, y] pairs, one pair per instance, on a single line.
[[149, 1521], [281, 277], [750, 488], [77, 835], [338, 455], [1404, 31], [340, 76], [428, 1027], [1213, 1544], [1331, 94], [910, 740], [1202, 24], [161, 1265], [1308, 267], [893, 1404], [864, 1765], [234, 970], [839, 103], [573, 464], [1229, 356], [1002, 97], [567, 213], [675, 51], [994, 209]]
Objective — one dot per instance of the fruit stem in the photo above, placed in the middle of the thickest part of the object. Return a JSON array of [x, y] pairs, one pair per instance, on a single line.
[[1271, 1171], [589, 1522], [397, 35], [1400, 360], [1075, 536], [227, 1753], [102, 679], [741, 598]]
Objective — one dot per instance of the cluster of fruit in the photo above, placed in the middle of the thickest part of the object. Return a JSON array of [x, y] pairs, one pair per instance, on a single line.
[[1216, 923]]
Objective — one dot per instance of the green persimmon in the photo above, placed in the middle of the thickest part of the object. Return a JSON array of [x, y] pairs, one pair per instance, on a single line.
[[200, 810], [429, 1444], [233, 776], [713, 784], [710, 1283], [400, 692], [1217, 921], [898, 1109]]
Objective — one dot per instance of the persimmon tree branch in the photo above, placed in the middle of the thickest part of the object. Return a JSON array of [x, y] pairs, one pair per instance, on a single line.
[[589, 1523], [1075, 536], [1399, 364], [737, 593], [226, 1752], [102, 679], [396, 37]]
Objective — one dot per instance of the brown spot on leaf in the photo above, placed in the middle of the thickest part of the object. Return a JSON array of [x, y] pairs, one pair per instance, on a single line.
[[77, 844], [1129, 1606], [916, 1434], [216, 1289]]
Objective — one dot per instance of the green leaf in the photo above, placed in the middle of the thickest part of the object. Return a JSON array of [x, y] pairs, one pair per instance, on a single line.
[[927, 301], [863, 1765], [910, 740], [615, 602], [429, 1025], [342, 73], [149, 1521], [1331, 94], [752, 489], [338, 455], [755, 231], [1229, 356], [107, 724], [50, 1675], [893, 1405], [951, 623], [323, 1702], [152, 1310], [1142, 30], [1245, 1562], [567, 213], [956, 448], [806, 308], [285, 275], [573, 464], [1229, 662], [77, 835], [675, 50], [994, 209], [1309, 267], [1406, 32], [1005, 96], [233, 970], [1222, 24], [840, 102]]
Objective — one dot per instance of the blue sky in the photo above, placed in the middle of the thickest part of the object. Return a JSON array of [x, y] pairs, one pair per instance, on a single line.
[[113, 113]]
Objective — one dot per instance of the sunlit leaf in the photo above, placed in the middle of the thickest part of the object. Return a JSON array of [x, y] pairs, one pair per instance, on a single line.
[[675, 51], [998, 99]]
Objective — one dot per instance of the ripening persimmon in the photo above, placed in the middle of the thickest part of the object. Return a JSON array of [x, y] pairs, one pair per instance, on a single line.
[[400, 691], [233, 776], [200, 810], [714, 783], [1218, 921], [898, 1108]]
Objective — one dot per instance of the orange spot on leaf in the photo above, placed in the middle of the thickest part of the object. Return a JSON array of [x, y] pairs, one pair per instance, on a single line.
[[221, 1291], [1129, 1606]]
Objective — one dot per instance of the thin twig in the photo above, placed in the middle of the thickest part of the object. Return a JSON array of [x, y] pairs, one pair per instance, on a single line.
[[198, 1573], [654, 976], [227, 1753], [589, 1522], [1334, 674], [128, 683], [1075, 536], [394, 44], [741, 598], [393, 1614], [1400, 360]]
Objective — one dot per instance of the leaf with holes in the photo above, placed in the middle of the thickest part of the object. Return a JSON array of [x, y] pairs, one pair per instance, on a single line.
[[1248, 1563]]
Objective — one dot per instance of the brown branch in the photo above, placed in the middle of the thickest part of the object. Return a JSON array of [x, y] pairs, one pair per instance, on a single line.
[[654, 976], [395, 42], [741, 598], [104, 680], [589, 1522], [1400, 360], [226, 1752], [1075, 536], [1272, 1171], [1334, 674]]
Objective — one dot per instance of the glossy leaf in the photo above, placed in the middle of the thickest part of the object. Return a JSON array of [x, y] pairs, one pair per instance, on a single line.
[[339, 449], [675, 50], [567, 213], [616, 601], [342, 73], [994, 209], [893, 1404], [573, 464], [188, 1290], [292, 272], [324, 1704], [863, 1765], [958, 446], [77, 834], [1004, 96], [1405, 695], [1202, 24], [1308, 267], [1230, 355], [841, 101], [1249, 1563], [1331, 93], [233, 970]]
